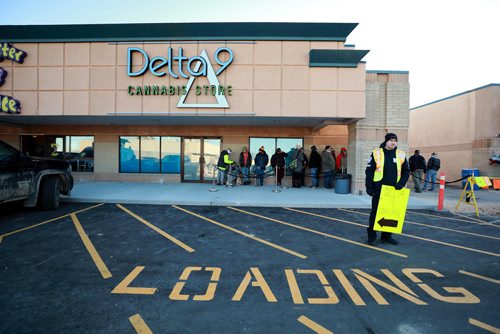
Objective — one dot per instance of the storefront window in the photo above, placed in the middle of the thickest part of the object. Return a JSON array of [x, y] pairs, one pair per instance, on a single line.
[[129, 154], [271, 144], [171, 155], [150, 154], [80, 152]]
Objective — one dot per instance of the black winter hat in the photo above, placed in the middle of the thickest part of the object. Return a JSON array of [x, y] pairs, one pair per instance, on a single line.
[[390, 136]]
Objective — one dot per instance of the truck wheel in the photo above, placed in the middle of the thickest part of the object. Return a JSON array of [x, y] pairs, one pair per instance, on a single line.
[[49, 194]]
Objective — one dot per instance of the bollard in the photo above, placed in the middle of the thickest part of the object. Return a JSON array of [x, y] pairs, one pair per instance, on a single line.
[[276, 190], [441, 191]]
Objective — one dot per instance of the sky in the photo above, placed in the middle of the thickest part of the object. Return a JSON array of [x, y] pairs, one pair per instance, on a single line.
[[448, 46]]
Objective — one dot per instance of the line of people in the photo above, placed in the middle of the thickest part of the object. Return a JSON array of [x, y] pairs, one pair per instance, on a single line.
[[326, 163], [419, 167]]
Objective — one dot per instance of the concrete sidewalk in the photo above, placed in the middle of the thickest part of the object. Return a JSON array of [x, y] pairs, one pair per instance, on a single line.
[[201, 194]]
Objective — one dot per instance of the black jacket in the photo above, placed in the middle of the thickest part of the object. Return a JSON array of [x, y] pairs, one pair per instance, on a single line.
[[417, 162], [434, 163], [315, 160], [390, 172], [278, 159], [249, 160]]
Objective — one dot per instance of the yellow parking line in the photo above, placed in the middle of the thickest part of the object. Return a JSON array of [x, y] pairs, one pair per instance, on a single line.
[[432, 226], [286, 250], [482, 222], [318, 232], [139, 325], [91, 249], [431, 240], [484, 326], [313, 325], [47, 221], [496, 281], [456, 219], [157, 229]]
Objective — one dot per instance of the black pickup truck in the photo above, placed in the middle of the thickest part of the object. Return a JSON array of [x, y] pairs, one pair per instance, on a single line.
[[35, 180]]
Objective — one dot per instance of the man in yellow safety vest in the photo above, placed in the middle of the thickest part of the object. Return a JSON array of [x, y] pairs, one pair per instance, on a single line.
[[388, 165]]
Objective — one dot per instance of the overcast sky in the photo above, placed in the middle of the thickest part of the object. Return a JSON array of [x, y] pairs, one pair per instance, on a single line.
[[448, 46]]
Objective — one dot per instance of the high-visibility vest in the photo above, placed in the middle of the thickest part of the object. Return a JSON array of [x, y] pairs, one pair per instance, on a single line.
[[378, 156]]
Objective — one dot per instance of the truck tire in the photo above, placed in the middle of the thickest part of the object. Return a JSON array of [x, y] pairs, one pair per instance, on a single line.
[[49, 193]]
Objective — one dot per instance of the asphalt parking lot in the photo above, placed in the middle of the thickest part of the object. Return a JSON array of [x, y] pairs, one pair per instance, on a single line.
[[89, 268]]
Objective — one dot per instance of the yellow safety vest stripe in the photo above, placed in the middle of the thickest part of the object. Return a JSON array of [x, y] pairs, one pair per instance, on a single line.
[[378, 156]]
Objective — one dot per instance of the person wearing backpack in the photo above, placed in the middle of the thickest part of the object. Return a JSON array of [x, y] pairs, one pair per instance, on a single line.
[[433, 166]]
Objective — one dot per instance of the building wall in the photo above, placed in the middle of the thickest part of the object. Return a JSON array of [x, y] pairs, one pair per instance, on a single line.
[[463, 130], [268, 78]]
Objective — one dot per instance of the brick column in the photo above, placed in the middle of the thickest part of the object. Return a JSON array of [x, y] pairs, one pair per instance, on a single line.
[[387, 110]]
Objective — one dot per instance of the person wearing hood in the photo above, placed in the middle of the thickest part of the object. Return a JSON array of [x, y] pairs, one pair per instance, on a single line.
[[299, 156], [328, 166], [433, 166], [261, 160], [387, 166], [223, 166], [278, 163], [341, 162], [245, 163]]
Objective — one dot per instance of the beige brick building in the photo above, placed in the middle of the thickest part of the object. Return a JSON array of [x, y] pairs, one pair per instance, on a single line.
[[463, 129], [158, 102]]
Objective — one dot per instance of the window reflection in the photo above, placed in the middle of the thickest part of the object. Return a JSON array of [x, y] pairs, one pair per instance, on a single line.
[[129, 153], [171, 155], [80, 150], [150, 154]]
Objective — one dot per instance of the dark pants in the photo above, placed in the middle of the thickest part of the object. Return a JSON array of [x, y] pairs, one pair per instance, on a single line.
[[296, 180], [372, 235], [281, 173]]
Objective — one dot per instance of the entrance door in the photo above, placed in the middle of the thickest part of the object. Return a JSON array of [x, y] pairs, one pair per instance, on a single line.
[[200, 157]]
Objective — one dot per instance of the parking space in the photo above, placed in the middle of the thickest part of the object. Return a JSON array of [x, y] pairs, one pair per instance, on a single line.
[[130, 268]]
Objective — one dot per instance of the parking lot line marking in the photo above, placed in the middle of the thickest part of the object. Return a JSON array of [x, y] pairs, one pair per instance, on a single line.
[[482, 222], [436, 241], [157, 229], [47, 221], [432, 226], [451, 218], [91, 249], [139, 325], [484, 326], [286, 250], [496, 281], [313, 325], [318, 232]]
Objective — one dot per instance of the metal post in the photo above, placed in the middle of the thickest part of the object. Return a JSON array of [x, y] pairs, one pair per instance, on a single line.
[[214, 188], [276, 190]]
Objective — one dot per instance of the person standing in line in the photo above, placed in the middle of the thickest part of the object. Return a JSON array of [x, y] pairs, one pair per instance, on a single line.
[[387, 166], [314, 166], [417, 169], [261, 160], [278, 162], [303, 173], [223, 166], [245, 164], [298, 154], [341, 162], [328, 166], [433, 166]]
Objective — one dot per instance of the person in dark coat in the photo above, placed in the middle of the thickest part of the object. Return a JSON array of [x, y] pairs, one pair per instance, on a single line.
[[278, 164], [245, 164], [298, 153], [387, 166], [417, 169], [261, 161], [314, 166], [433, 166]]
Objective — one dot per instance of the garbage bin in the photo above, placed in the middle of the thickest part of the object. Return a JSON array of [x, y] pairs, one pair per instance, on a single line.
[[343, 184], [471, 172]]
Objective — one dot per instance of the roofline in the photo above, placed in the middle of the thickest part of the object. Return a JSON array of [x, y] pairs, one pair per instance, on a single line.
[[452, 96], [387, 72], [207, 31]]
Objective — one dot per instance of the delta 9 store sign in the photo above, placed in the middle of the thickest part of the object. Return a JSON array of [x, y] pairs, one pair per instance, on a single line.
[[197, 66]]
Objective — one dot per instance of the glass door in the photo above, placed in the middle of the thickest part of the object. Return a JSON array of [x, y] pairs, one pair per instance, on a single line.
[[200, 157]]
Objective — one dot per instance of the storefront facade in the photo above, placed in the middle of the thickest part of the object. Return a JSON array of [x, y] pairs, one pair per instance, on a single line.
[[158, 102]]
